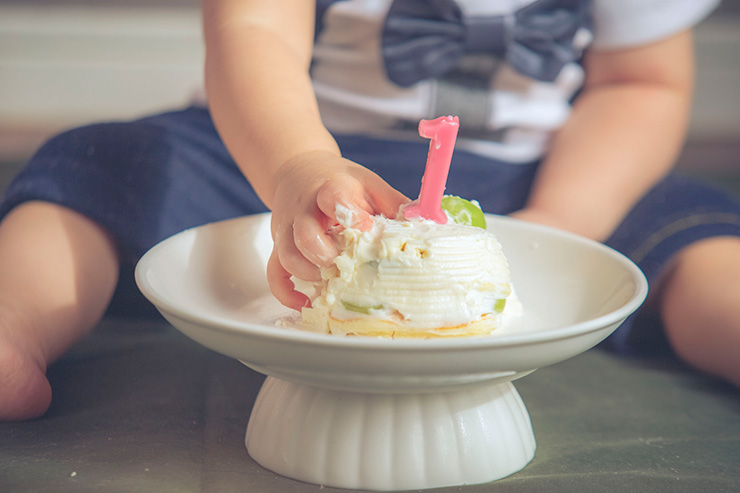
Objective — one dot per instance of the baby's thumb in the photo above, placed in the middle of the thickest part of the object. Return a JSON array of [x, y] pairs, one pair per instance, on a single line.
[[386, 200], [343, 201]]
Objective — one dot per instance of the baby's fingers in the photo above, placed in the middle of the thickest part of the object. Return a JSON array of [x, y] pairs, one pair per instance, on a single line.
[[312, 240], [291, 258], [387, 200], [362, 193], [345, 193], [281, 285]]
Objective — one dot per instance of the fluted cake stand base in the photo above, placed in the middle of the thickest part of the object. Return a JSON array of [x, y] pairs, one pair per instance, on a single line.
[[379, 441]]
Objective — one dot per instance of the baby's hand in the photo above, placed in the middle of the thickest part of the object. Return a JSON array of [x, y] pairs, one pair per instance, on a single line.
[[308, 189]]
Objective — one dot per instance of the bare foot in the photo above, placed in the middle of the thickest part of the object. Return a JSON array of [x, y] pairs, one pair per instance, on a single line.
[[25, 391]]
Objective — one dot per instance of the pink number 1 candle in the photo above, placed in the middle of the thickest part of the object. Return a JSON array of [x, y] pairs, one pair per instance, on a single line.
[[443, 132]]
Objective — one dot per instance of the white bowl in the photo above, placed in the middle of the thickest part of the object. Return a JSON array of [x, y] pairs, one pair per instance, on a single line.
[[209, 282]]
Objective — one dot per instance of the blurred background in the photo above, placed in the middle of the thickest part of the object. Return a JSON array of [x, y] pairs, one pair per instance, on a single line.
[[69, 62]]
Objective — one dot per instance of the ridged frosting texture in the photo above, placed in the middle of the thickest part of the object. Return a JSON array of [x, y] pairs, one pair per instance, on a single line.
[[417, 272]]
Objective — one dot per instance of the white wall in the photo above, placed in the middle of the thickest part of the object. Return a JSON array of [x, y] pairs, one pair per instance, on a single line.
[[66, 65]]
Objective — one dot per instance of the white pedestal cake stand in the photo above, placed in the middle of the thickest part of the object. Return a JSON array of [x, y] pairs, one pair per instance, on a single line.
[[390, 414]]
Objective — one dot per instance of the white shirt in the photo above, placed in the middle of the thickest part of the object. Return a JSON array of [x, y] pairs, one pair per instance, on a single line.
[[503, 113]]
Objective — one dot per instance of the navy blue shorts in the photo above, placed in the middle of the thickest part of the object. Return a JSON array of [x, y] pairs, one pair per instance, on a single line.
[[149, 179]]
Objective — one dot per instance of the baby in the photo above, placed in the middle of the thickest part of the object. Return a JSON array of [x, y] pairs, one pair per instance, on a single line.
[[574, 114]]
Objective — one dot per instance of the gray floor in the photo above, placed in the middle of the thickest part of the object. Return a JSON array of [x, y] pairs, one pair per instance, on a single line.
[[140, 408]]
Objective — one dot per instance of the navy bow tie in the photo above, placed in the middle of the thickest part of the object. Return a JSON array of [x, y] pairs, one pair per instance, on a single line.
[[426, 38]]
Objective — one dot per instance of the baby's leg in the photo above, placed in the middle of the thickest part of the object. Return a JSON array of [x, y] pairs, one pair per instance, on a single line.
[[701, 306], [58, 271]]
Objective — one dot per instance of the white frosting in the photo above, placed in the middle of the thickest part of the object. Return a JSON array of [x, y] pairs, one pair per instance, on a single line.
[[421, 273]]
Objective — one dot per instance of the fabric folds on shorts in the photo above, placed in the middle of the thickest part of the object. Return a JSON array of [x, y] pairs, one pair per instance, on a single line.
[[143, 180]]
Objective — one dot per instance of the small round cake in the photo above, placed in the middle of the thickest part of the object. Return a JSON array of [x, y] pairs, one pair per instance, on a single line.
[[412, 278]]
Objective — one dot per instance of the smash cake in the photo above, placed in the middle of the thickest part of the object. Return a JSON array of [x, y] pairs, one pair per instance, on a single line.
[[433, 271]]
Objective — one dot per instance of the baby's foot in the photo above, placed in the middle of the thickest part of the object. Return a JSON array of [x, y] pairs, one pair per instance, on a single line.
[[25, 392]]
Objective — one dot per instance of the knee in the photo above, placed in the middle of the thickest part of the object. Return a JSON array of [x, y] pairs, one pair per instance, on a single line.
[[699, 306]]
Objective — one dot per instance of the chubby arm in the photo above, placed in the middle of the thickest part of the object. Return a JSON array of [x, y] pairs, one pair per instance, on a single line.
[[259, 91], [624, 134]]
